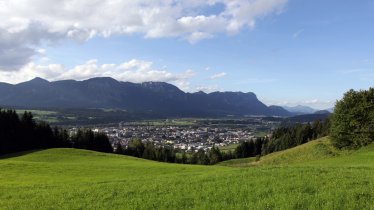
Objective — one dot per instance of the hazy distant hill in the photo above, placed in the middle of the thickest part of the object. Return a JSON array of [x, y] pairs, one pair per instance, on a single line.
[[323, 112], [157, 97], [300, 109], [279, 111], [306, 118]]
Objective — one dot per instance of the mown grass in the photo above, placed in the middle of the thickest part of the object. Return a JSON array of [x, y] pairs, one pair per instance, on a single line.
[[228, 148], [79, 179]]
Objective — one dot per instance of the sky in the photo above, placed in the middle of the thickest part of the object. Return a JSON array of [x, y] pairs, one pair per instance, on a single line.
[[288, 52]]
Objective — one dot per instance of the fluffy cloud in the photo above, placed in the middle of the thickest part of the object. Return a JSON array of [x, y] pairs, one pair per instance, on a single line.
[[132, 71], [318, 103], [314, 103], [208, 89], [26, 23], [219, 75]]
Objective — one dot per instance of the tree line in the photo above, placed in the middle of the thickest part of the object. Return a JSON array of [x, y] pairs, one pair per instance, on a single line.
[[23, 133], [291, 136], [165, 153], [281, 139]]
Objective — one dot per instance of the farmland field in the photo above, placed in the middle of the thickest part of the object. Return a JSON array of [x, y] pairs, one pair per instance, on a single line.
[[227, 148], [313, 176]]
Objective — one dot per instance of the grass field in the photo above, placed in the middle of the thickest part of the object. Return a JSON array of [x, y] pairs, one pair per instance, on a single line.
[[315, 150], [312, 176], [228, 148], [41, 115], [176, 122]]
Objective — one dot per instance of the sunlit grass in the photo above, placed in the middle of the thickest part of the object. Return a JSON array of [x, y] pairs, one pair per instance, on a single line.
[[79, 179]]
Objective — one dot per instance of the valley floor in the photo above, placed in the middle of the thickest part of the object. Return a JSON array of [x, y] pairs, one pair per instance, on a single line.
[[312, 176]]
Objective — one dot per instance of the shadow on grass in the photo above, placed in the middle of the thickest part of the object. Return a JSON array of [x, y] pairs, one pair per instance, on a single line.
[[17, 154]]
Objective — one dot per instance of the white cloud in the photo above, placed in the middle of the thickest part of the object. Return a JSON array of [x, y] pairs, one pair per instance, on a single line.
[[132, 71], [208, 89], [318, 104], [298, 33], [198, 36], [314, 103], [41, 51], [26, 23], [219, 75]]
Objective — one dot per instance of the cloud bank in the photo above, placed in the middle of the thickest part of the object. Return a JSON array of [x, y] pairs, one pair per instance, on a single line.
[[132, 71], [25, 24]]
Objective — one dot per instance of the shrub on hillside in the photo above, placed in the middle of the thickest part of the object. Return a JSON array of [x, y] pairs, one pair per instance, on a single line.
[[353, 120]]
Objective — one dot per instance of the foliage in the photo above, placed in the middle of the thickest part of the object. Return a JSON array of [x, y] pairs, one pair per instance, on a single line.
[[119, 149], [353, 119], [212, 156], [87, 139], [23, 134], [167, 153], [287, 137]]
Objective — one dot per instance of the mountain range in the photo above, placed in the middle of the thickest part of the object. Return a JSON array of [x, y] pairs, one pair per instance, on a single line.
[[155, 97], [299, 109], [305, 110]]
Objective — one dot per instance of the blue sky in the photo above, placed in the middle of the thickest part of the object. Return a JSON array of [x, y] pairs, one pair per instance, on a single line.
[[287, 52]]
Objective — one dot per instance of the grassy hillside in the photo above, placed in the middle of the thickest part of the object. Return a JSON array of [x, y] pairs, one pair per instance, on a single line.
[[79, 179], [315, 150]]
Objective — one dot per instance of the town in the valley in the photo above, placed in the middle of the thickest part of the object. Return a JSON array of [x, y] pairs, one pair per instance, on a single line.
[[190, 137]]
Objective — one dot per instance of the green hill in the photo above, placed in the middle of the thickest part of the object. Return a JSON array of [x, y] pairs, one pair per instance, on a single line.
[[312, 151], [311, 176]]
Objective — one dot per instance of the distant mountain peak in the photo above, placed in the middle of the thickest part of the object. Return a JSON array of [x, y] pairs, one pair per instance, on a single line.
[[101, 79], [322, 112], [201, 92], [38, 80], [300, 109], [151, 83], [278, 110], [161, 87]]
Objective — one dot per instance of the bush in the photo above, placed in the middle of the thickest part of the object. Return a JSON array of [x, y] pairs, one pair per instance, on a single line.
[[353, 120]]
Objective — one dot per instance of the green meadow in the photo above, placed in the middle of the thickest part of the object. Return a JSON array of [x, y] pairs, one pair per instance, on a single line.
[[311, 176], [42, 115]]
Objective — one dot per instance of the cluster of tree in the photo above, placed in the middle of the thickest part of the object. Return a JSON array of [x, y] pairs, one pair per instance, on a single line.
[[353, 120], [214, 155], [21, 134], [148, 151], [249, 148], [87, 139], [287, 137]]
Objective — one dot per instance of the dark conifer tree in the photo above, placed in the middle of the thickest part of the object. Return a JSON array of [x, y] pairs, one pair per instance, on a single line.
[[214, 155], [149, 151], [119, 149]]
